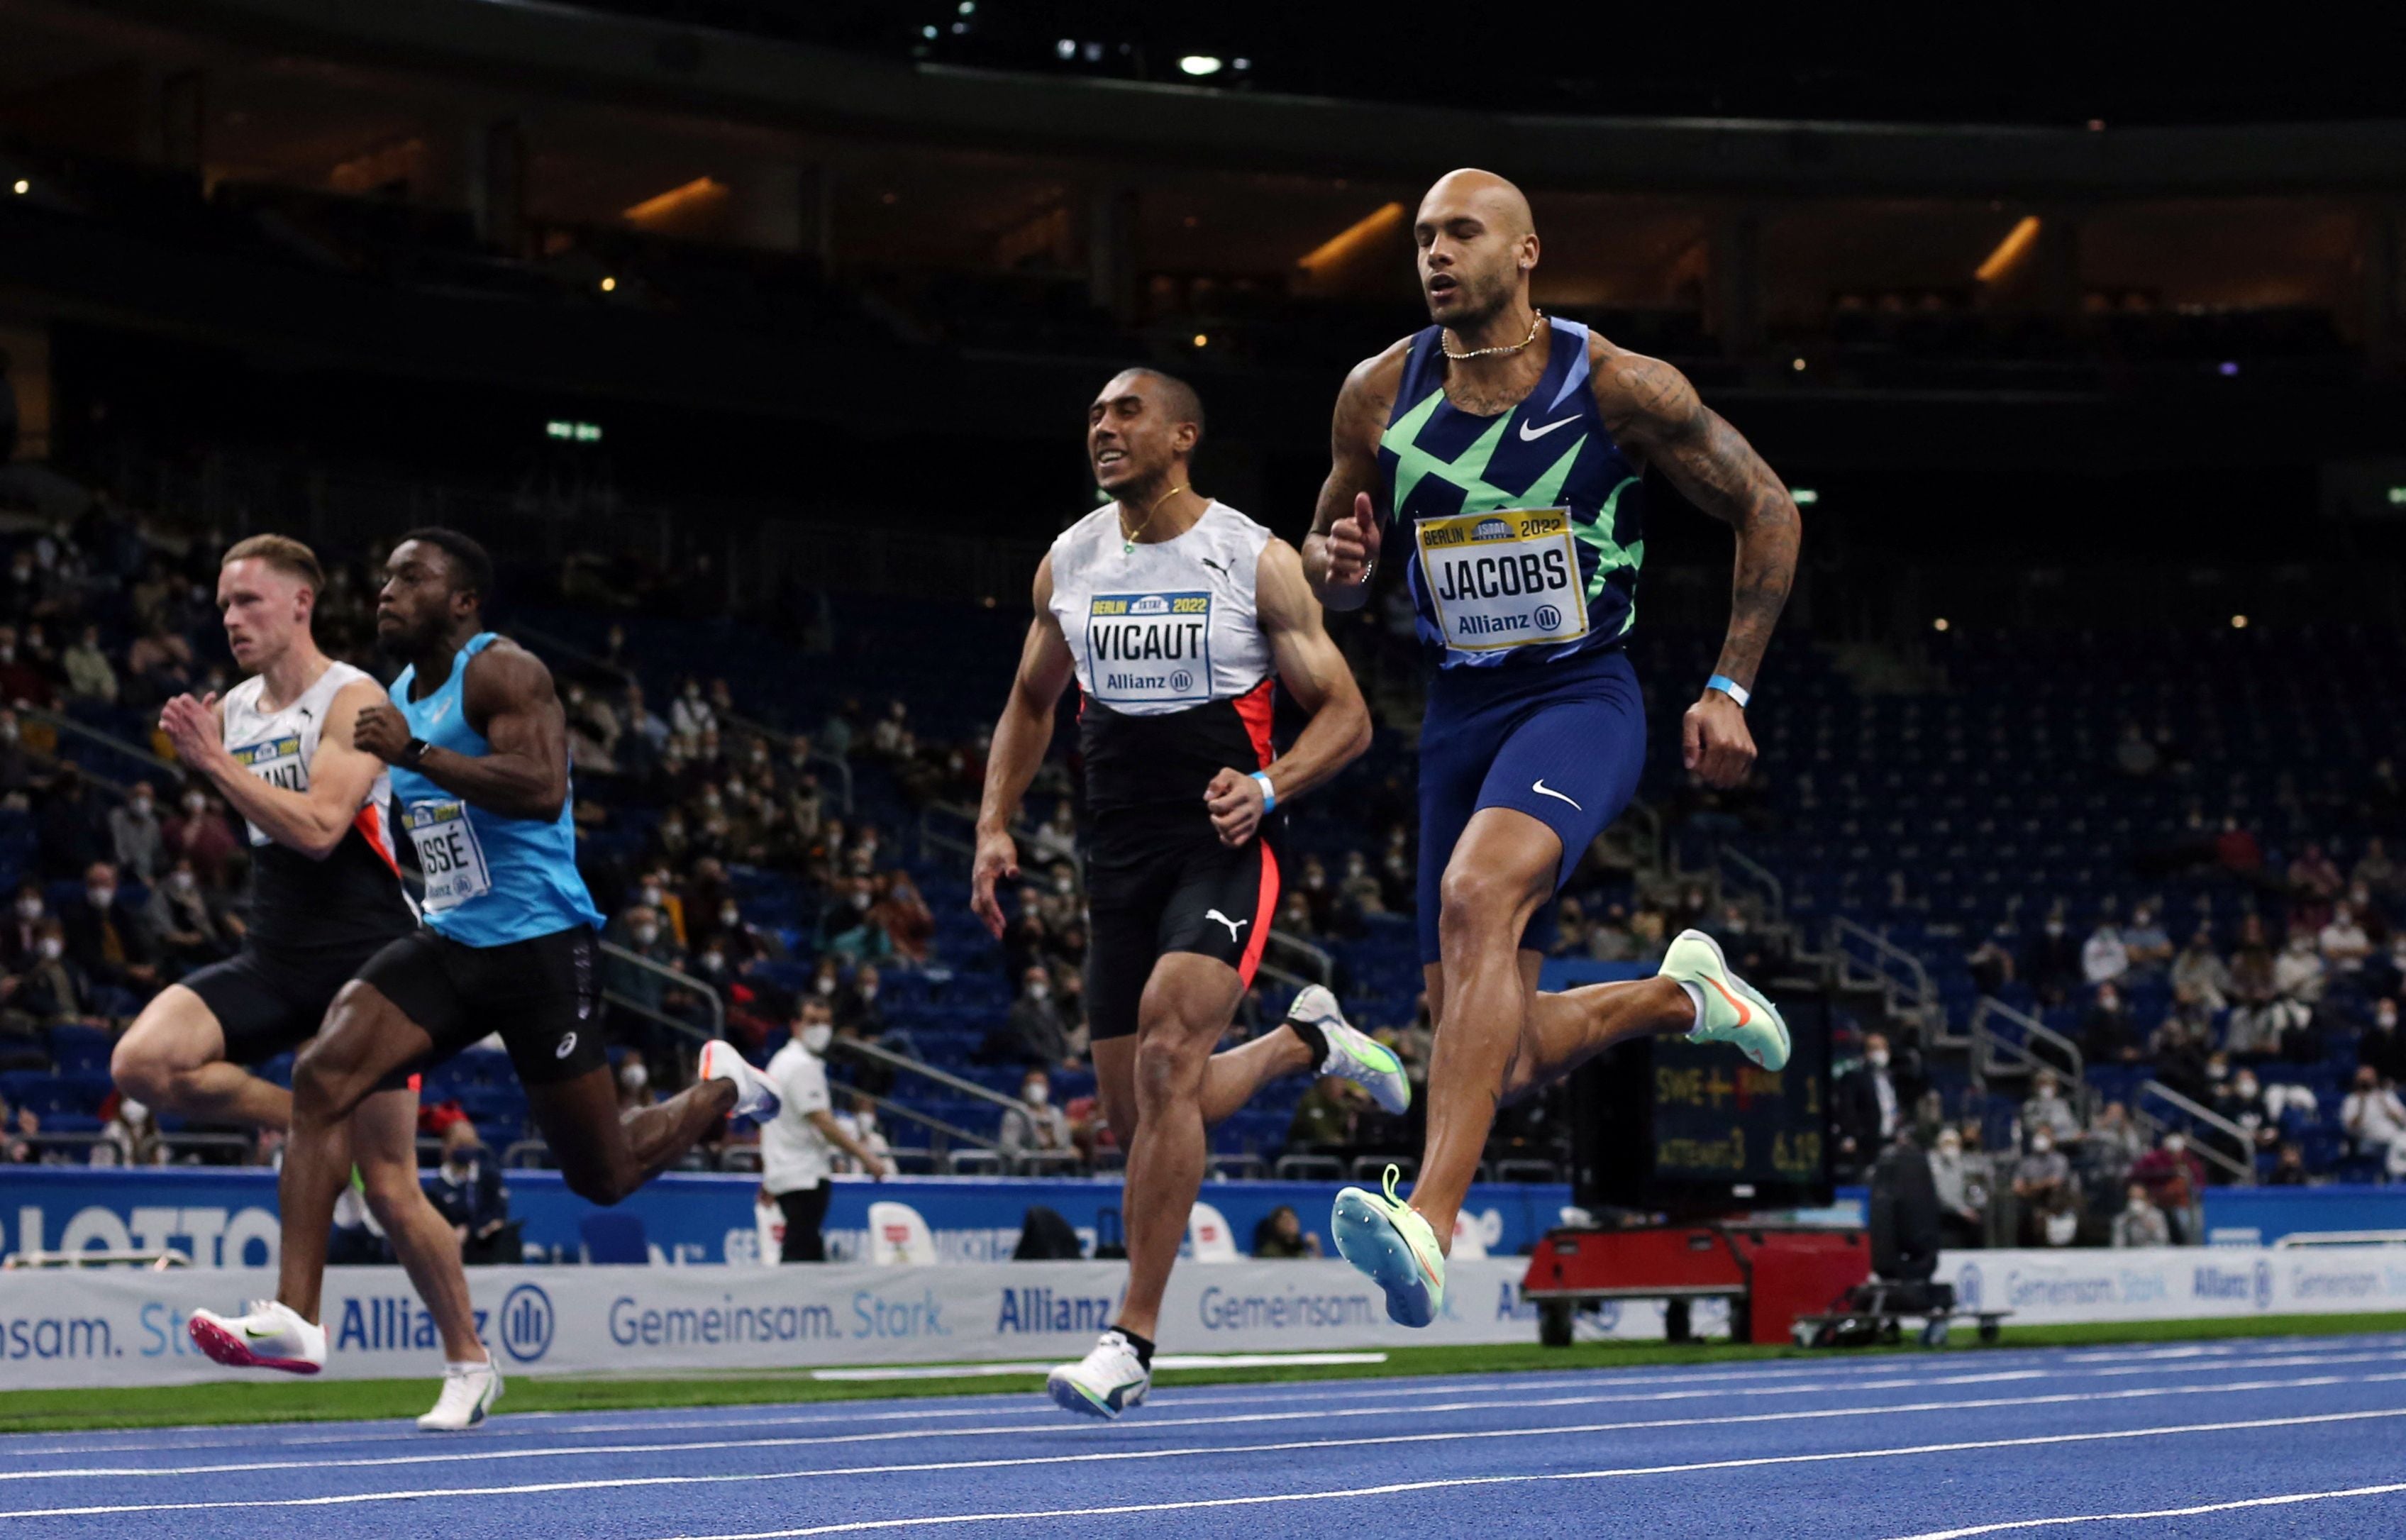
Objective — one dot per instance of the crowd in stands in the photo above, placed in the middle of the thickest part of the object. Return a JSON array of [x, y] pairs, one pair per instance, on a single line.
[[749, 890]]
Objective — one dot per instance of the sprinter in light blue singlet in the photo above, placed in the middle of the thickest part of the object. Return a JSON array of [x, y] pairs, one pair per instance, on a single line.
[[1506, 451], [490, 880], [478, 747]]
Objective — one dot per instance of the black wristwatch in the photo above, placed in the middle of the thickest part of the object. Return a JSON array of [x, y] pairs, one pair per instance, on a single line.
[[411, 752]]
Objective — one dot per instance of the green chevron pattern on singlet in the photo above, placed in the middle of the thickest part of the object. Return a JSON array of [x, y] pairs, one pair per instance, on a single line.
[[1467, 471], [1610, 554]]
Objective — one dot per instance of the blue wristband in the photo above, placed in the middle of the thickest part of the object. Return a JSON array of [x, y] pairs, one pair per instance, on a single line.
[[1729, 688], [1269, 793]]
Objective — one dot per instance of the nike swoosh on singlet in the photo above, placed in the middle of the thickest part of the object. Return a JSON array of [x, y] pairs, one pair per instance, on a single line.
[[1542, 789], [1527, 433]]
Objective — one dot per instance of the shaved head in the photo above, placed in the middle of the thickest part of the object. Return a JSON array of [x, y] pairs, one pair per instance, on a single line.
[[1175, 399], [1494, 200], [1477, 245]]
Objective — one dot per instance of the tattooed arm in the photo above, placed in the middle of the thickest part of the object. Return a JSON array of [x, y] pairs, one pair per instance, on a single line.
[[1655, 413], [1341, 553]]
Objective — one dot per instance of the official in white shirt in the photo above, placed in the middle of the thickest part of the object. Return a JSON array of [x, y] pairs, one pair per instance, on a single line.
[[798, 1146]]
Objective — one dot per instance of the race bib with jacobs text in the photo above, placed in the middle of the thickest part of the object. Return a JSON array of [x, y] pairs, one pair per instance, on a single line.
[[449, 853], [1505, 579], [1152, 649]]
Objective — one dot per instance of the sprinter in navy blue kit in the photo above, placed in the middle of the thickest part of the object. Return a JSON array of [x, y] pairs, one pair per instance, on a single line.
[[478, 747], [1509, 451]]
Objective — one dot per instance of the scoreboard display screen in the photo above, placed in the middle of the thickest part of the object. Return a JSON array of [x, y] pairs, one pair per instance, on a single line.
[[1696, 1130]]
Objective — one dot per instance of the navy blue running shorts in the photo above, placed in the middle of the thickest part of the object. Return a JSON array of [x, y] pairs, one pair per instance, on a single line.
[[1563, 742]]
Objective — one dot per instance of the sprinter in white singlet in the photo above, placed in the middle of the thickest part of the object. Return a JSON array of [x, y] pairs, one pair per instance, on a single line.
[[1178, 616]]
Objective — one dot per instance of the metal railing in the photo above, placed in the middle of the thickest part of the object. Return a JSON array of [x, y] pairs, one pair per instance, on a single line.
[[535, 638], [683, 979], [1322, 962], [1753, 871], [2241, 1166], [85, 730], [1995, 1053], [1899, 972]]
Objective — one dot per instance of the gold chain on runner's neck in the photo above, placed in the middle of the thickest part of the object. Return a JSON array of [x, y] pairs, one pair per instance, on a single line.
[[1536, 316], [1128, 536]]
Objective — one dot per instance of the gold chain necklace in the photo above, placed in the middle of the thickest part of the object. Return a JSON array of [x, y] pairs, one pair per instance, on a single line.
[[1128, 536], [1534, 316]]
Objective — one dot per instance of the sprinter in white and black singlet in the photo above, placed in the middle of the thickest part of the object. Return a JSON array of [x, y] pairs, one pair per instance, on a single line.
[[1178, 616], [325, 897]]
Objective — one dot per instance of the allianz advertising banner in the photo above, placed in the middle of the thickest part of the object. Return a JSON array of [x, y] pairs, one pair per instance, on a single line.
[[121, 1326], [225, 1217], [2177, 1282]]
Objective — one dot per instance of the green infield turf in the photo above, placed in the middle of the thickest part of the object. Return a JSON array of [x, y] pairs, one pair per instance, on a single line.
[[283, 1400]]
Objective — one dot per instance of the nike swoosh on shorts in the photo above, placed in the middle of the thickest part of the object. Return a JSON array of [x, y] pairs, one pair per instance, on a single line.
[[1542, 789]]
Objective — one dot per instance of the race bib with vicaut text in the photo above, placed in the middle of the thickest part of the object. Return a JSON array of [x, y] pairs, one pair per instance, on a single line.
[[1149, 648]]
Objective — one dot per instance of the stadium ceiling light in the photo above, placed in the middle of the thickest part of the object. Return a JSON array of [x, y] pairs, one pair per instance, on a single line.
[[1202, 339], [1939, 624], [1355, 238], [1066, 49], [608, 284], [1803, 496], [2238, 623], [1200, 64], [2012, 249], [22, 187]]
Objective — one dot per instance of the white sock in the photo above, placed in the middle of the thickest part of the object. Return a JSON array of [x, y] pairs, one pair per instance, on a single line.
[[1695, 1001]]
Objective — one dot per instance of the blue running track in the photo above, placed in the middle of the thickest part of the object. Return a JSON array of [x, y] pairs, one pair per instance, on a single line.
[[2302, 1436]]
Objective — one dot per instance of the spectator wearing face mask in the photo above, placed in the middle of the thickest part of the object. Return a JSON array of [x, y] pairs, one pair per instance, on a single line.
[[2343, 942], [2200, 973], [2047, 1108], [2288, 1169], [106, 938], [1035, 1132], [21, 682], [2174, 1180], [466, 1190], [201, 834], [858, 1007], [2103, 958], [131, 1138], [846, 929], [2241, 1100], [860, 1121], [2383, 1048], [798, 1146], [2140, 1222], [1962, 1183], [2299, 973], [2146, 946], [187, 925], [51, 989], [1868, 1107], [2106, 1033], [89, 674], [2052, 964], [23, 929], [2043, 1185], [1043, 1037], [2374, 1120], [23, 772]]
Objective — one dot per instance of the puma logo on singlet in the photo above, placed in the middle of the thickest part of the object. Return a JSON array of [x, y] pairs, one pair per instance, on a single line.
[[1233, 925]]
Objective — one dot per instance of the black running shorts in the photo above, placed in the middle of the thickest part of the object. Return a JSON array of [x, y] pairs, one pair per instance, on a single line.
[[1155, 890], [270, 999], [541, 995]]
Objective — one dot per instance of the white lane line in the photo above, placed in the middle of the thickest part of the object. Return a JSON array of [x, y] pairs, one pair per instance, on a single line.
[[1392, 1489], [2273, 1502], [1054, 1426], [1512, 1400], [1114, 1456], [1857, 1374]]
